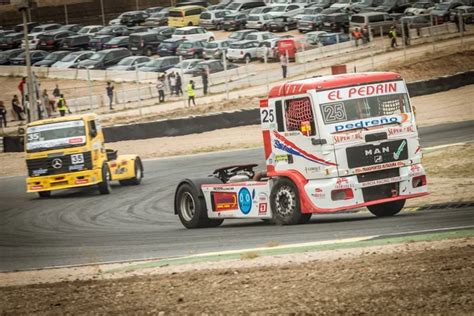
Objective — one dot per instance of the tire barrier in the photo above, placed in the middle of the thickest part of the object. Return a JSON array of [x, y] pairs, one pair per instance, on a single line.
[[206, 123]]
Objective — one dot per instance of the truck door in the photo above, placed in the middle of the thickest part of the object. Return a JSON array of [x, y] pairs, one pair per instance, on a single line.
[[296, 144]]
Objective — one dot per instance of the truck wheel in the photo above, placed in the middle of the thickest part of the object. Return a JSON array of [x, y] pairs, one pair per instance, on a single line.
[[44, 194], [192, 209], [387, 209], [285, 202], [137, 179], [104, 186]]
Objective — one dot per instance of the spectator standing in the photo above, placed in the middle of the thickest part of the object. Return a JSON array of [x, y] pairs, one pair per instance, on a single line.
[[172, 83], [17, 107], [392, 34], [46, 103], [3, 115], [284, 64], [160, 86], [365, 34], [356, 34], [179, 85], [110, 94], [191, 92], [21, 88], [56, 92], [62, 105], [205, 80]]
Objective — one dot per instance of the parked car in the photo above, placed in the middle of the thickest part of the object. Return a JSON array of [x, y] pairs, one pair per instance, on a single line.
[[185, 15], [133, 18], [215, 49], [365, 5], [6, 55], [245, 5], [90, 30], [234, 21], [75, 28], [33, 40], [210, 66], [53, 40], [310, 23], [116, 21], [286, 10], [239, 35], [51, 58], [376, 21], [145, 43], [73, 59], [242, 51], [281, 24], [185, 66], [259, 36], [35, 56], [343, 5], [418, 8], [467, 13], [212, 20], [323, 4], [313, 38], [130, 63], [333, 38], [413, 22], [29, 26], [157, 19], [105, 58], [394, 6], [137, 29], [193, 33], [154, 10], [336, 22], [258, 21], [76, 42], [116, 42], [308, 11], [45, 28], [98, 41], [114, 30], [268, 48], [191, 49], [168, 47], [260, 10], [11, 41], [160, 64], [164, 32], [441, 11], [331, 10]]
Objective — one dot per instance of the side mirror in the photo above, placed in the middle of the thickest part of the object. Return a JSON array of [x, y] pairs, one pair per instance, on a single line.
[[93, 133]]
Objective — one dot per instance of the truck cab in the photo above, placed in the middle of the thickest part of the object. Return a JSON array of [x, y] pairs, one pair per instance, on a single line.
[[69, 152]]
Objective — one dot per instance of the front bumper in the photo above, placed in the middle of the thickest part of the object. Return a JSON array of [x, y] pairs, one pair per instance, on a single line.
[[63, 181]]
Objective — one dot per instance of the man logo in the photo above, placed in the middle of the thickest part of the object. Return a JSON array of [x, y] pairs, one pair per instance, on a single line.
[[57, 163]]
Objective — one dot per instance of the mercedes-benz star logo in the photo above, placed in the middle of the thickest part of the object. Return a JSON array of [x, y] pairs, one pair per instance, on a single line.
[[57, 163]]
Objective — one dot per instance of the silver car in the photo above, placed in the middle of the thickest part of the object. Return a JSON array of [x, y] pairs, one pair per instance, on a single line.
[[212, 20], [215, 49], [71, 60], [269, 48], [242, 51], [258, 21]]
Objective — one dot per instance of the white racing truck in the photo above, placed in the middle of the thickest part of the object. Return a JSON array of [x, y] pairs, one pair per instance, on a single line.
[[331, 144]]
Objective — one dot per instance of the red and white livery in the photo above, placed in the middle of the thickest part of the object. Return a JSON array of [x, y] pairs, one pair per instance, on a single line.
[[331, 144]]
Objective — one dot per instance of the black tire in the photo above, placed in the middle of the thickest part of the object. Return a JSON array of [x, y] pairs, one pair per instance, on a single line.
[[104, 186], [387, 209], [196, 56], [44, 194], [247, 58], [191, 208], [218, 27], [286, 28], [138, 174], [190, 24], [264, 28], [285, 203], [211, 39], [149, 52]]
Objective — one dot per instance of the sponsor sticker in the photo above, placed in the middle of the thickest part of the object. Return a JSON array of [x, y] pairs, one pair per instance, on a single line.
[[245, 201], [262, 208]]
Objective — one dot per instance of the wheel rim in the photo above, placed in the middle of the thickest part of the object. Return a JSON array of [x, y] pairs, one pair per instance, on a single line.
[[139, 172], [285, 201], [109, 178], [247, 59], [286, 28], [187, 206]]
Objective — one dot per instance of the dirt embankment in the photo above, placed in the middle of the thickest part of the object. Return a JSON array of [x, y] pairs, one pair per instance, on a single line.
[[413, 278]]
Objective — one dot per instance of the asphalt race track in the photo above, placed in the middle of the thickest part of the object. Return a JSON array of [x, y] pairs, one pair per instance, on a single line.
[[80, 226]]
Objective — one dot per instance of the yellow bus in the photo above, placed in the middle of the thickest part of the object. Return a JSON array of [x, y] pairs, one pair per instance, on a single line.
[[185, 16]]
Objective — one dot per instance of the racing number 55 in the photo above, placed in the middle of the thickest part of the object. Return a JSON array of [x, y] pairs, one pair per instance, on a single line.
[[267, 117]]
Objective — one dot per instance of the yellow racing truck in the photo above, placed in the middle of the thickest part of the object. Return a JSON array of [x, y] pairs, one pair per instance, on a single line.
[[69, 152]]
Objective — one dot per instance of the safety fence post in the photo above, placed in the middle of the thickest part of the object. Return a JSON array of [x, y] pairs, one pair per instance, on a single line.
[[91, 103], [224, 61], [138, 91]]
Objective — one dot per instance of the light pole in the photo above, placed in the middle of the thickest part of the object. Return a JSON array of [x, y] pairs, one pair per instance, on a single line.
[[102, 11], [32, 111]]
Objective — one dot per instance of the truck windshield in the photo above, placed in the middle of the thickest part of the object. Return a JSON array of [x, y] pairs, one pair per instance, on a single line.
[[55, 135], [364, 106]]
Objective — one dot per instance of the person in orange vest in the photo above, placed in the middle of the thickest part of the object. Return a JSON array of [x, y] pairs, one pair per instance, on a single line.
[[356, 34]]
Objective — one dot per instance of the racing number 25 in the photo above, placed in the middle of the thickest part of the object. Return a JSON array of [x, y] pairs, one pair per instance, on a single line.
[[268, 117]]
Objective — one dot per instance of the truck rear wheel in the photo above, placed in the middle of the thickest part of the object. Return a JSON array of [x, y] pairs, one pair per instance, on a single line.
[[44, 194], [137, 179], [104, 186], [191, 208], [387, 209], [285, 202]]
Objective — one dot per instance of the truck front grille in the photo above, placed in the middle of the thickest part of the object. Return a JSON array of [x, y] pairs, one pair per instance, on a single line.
[[60, 164]]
